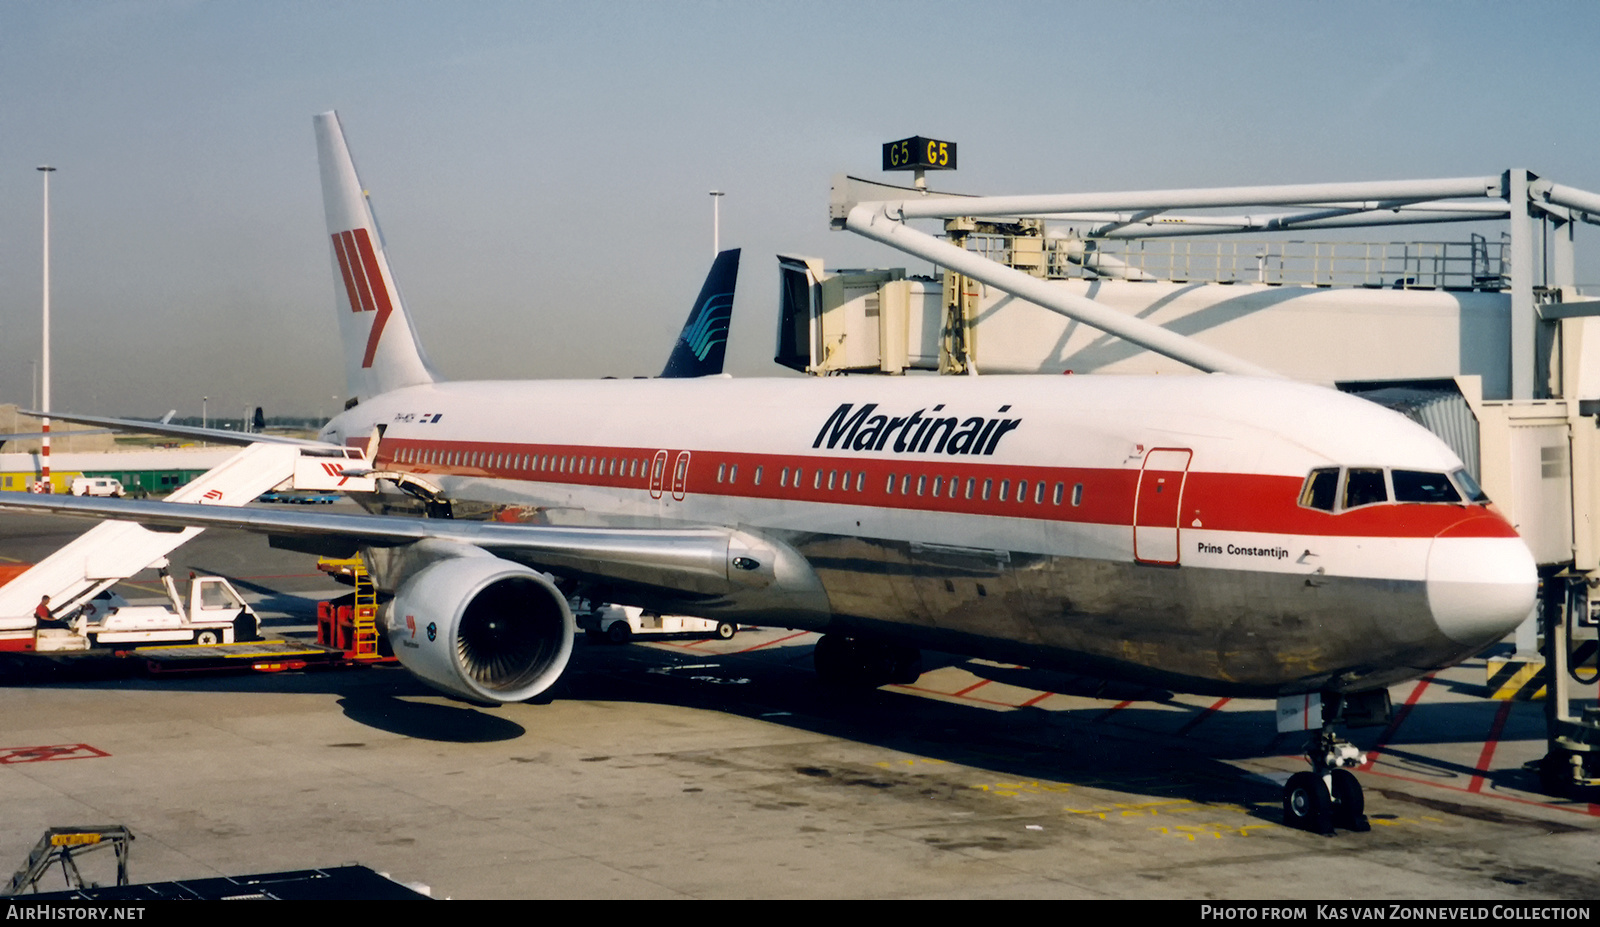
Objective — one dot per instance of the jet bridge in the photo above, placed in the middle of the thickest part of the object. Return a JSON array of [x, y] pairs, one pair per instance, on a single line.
[[1490, 340]]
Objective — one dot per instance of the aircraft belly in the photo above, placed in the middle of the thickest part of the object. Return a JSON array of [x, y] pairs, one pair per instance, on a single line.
[[1206, 626], [1202, 630]]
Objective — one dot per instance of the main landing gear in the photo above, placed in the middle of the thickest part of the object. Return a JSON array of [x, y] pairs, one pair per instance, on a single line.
[[865, 663]]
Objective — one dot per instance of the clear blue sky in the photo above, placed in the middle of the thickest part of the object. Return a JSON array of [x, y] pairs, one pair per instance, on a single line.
[[541, 170]]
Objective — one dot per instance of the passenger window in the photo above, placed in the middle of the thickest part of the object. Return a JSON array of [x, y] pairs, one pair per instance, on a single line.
[[758, 476], [1321, 489], [1364, 486], [1417, 486], [861, 481], [889, 487]]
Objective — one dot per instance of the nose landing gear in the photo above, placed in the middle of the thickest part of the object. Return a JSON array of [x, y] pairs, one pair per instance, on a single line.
[[1329, 796]]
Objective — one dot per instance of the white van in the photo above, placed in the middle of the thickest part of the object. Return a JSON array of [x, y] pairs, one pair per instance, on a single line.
[[96, 486]]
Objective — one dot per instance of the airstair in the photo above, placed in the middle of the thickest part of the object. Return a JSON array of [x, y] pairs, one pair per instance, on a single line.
[[115, 550]]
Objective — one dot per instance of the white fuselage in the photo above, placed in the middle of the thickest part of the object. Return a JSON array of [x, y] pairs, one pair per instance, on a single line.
[[1144, 527]]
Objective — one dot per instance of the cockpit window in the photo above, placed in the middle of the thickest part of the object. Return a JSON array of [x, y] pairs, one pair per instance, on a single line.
[[1470, 486], [1321, 490], [1417, 486], [1364, 486]]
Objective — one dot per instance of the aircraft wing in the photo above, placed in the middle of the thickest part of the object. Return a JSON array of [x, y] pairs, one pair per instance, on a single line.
[[692, 562], [214, 435]]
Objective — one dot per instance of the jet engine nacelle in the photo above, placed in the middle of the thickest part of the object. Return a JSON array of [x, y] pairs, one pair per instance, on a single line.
[[482, 628]]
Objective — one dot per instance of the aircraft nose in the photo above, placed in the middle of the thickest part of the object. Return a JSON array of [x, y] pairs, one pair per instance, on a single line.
[[1482, 580]]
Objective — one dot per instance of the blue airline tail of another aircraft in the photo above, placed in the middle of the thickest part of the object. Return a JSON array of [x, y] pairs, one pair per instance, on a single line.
[[704, 339]]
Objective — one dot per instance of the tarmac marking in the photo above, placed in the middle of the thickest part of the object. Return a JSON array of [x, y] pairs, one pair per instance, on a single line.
[[1489, 745], [913, 761], [1124, 809], [1191, 831], [10, 755], [1399, 719], [1576, 808], [1014, 789], [1106, 715], [788, 637], [965, 698], [1195, 721], [960, 693]]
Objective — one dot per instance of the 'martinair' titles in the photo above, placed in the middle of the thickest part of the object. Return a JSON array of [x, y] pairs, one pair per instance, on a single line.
[[917, 433]]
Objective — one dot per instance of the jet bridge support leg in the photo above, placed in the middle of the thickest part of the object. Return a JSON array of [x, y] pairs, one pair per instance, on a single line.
[[1571, 767]]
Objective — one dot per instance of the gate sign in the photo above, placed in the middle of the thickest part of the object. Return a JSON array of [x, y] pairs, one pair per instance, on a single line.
[[919, 154]]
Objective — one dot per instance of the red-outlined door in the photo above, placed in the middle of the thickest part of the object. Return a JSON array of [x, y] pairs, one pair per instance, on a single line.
[[680, 476], [1157, 505], [658, 470]]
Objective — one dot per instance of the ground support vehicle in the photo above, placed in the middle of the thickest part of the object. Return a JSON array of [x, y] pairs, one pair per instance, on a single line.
[[619, 623], [215, 614]]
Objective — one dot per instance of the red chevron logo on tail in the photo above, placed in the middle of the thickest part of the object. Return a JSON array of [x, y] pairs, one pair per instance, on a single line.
[[363, 283]]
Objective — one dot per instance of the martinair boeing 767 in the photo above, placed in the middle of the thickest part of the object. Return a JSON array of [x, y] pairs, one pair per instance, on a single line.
[[1211, 534]]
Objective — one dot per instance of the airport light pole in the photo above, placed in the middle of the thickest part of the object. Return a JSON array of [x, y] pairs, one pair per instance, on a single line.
[[716, 222], [44, 447]]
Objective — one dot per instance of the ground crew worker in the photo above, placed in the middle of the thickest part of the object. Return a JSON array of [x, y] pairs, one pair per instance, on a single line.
[[42, 617]]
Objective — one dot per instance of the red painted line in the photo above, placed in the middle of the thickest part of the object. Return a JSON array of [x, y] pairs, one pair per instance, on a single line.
[[1036, 699], [964, 698], [11, 755], [1394, 723], [780, 640], [1195, 721], [1489, 746], [1106, 715], [977, 685], [1590, 809]]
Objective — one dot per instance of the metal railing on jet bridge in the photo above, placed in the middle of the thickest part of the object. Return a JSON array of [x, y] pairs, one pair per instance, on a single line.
[[1478, 264]]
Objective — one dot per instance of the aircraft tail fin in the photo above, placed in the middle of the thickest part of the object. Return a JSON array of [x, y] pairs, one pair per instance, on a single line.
[[381, 350], [704, 339]]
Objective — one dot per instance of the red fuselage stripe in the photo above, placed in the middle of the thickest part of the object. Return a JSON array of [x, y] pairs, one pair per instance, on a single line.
[[1213, 501]]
